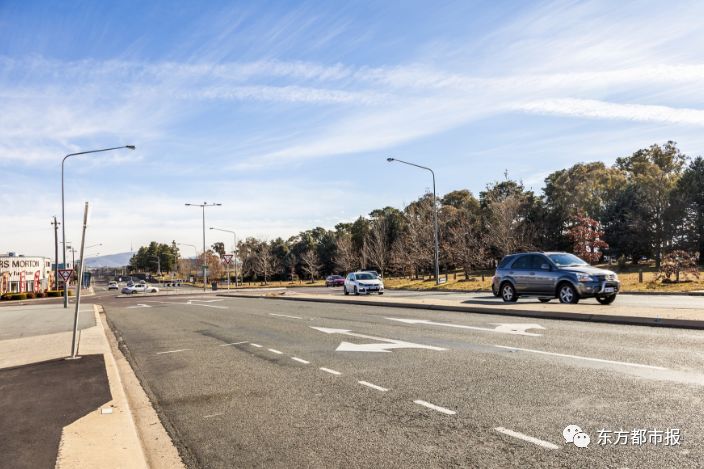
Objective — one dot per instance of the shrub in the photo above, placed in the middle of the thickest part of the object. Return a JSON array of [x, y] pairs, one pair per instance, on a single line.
[[6, 296], [19, 296], [40, 294], [54, 293], [30, 295], [678, 263]]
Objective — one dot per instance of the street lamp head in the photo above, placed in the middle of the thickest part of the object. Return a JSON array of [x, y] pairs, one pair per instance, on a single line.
[[390, 159], [188, 205], [131, 147]]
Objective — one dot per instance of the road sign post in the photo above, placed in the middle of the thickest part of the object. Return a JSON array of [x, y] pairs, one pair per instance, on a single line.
[[227, 258]]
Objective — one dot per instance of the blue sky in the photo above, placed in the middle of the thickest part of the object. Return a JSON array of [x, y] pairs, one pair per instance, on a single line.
[[285, 112]]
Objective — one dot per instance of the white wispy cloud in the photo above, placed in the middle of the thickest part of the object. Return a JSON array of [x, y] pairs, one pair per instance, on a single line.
[[594, 109]]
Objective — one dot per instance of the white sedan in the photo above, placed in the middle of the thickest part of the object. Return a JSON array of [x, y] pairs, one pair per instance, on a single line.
[[139, 288], [363, 282]]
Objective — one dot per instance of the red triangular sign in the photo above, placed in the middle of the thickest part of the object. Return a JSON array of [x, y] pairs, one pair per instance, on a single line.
[[227, 258], [65, 274]]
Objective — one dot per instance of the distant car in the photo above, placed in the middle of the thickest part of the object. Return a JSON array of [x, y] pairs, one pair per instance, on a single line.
[[363, 282], [113, 286], [549, 275], [334, 281], [139, 288]]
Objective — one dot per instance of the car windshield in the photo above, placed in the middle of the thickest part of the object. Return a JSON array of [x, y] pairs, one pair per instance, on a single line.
[[366, 276], [565, 260]]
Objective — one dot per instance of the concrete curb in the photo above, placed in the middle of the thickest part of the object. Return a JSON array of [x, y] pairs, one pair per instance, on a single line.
[[654, 293], [106, 441], [607, 319]]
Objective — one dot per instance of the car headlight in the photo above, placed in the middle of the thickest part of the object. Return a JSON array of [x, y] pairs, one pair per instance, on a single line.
[[584, 278]]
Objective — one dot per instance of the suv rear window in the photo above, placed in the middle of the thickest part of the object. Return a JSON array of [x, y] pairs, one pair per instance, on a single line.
[[505, 261]]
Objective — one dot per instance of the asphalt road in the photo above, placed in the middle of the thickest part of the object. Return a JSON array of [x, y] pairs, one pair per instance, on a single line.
[[252, 383], [624, 299]]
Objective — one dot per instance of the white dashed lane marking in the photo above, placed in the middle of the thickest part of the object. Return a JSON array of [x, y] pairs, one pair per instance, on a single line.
[[529, 439], [300, 360], [373, 386], [212, 415], [435, 407], [275, 351], [284, 316], [332, 372], [173, 351], [256, 345], [233, 343]]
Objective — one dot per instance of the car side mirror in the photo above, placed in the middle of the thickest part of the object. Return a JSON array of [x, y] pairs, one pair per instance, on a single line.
[[545, 267]]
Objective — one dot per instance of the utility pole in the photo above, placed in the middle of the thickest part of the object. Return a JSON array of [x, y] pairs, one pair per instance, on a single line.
[[74, 349], [56, 254]]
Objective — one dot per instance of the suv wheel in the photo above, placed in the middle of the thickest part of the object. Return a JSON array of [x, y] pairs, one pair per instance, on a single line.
[[508, 293], [344, 289], [567, 294], [606, 300], [356, 292]]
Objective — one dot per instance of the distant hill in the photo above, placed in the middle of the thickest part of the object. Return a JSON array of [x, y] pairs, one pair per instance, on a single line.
[[111, 260]]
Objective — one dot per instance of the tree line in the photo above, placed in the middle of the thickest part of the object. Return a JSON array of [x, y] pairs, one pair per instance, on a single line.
[[645, 205]]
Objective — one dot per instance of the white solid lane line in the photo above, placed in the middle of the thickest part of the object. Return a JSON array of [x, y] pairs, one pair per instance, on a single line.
[[284, 316], [275, 351], [173, 351], [373, 386], [529, 439], [600, 360], [256, 345], [233, 343], [435, 407], [332, 372], [300, 360]]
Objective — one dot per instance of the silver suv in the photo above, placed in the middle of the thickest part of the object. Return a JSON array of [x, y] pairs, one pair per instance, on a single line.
[[549, 275]]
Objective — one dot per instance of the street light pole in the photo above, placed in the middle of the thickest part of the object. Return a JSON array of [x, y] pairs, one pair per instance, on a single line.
[[234, 255], [63, 214], [203, 205], [195, 250], [435, 216]]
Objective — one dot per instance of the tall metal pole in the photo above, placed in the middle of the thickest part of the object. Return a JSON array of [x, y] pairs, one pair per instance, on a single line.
[[56, 254], [234, 254], [205, 268], [203, 205], [435, 217], [74, 351], [63, 211]]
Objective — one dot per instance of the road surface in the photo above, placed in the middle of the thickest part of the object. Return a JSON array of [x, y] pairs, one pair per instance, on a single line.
[[269, 383]]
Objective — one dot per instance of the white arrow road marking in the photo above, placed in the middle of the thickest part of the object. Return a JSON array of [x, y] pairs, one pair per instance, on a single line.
[[139, 305], [529, 439], [435, 407], [600, 360], [514, 329], [383, 347]]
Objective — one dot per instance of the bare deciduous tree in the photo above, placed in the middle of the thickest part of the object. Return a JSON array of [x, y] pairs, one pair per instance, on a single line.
[[345, 257], [310, 263], [377, 245], [264, 261], [506, 229]]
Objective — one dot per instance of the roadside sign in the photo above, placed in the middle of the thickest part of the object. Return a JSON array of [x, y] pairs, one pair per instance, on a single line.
[[227, 258], [65, 274]]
